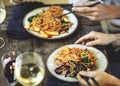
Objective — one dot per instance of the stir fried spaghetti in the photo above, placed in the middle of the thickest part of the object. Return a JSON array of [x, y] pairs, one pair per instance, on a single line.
[[71, 59], [47, 24]]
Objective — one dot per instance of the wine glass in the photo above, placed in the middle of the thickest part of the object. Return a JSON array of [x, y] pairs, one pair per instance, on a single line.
[[8, 64], [2, 42], [2, 17], [2, 11], [29, 69]]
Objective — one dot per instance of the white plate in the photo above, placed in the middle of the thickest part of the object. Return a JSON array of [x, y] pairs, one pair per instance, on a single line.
[[101, 61], [71, 16]]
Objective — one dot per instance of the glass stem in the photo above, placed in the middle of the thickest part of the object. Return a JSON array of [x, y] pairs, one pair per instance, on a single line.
[[32, 46], [14, 45]]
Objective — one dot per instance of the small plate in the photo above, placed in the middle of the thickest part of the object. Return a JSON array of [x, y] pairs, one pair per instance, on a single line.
[[71, 16], [101, 61]]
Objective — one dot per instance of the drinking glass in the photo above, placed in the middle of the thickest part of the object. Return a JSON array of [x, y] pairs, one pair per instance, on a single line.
[[2, 11], [8, 64], [2, 17], [29, 69], [2, 42]]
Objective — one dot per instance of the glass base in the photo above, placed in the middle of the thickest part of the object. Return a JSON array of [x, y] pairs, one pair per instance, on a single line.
[[2, 42]]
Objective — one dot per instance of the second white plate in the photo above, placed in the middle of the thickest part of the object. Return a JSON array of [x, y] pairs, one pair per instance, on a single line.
[[71, 16]]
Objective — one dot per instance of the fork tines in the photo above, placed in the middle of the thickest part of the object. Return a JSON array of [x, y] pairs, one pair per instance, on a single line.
[[64, 14]]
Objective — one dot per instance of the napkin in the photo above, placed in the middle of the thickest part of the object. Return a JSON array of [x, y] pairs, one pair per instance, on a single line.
[[52, 81], [115, 69], [15, 27]]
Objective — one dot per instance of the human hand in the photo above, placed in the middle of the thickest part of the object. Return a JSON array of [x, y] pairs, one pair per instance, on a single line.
[[103, 78], [96, 38], [96, 13]]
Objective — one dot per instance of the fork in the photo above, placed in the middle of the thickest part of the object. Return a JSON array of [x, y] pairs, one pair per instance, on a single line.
[[86, 78], [91, 5]]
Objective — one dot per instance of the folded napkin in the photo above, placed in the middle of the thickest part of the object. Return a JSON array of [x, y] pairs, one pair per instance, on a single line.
[[52, 81], [15, 27]]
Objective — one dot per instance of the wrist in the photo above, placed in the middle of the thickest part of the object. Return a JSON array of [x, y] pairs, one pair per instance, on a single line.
[[116, 39], [116, 81], [113, 37], [115, 12]]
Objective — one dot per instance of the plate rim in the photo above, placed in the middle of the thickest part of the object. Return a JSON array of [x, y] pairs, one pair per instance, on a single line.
[[52, 38]]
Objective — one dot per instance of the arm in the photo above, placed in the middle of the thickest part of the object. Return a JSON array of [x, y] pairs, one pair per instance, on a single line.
[[117, 39], [98, 12], [97, 38], [15, 2], [103, 78]]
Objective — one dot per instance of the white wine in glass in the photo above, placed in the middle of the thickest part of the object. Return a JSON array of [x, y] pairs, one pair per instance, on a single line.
[[2, 15], [2, 11], [29, 69], [2, 18]]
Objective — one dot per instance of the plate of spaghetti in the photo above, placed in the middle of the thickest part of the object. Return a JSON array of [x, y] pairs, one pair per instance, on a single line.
[[45, 23], [65, 62]]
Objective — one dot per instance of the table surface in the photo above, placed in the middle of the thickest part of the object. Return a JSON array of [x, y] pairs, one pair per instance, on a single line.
[[44, 47]]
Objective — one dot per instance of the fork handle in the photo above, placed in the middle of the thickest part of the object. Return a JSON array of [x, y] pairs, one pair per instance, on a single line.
[[96, 83]]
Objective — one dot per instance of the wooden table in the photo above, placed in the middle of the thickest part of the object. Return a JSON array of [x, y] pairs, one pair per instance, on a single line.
[[43, 47]]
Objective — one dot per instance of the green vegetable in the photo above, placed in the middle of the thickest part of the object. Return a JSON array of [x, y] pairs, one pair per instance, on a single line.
[[85, 57], [34, 16], [85, 60], [65, 20], [73, 74]]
